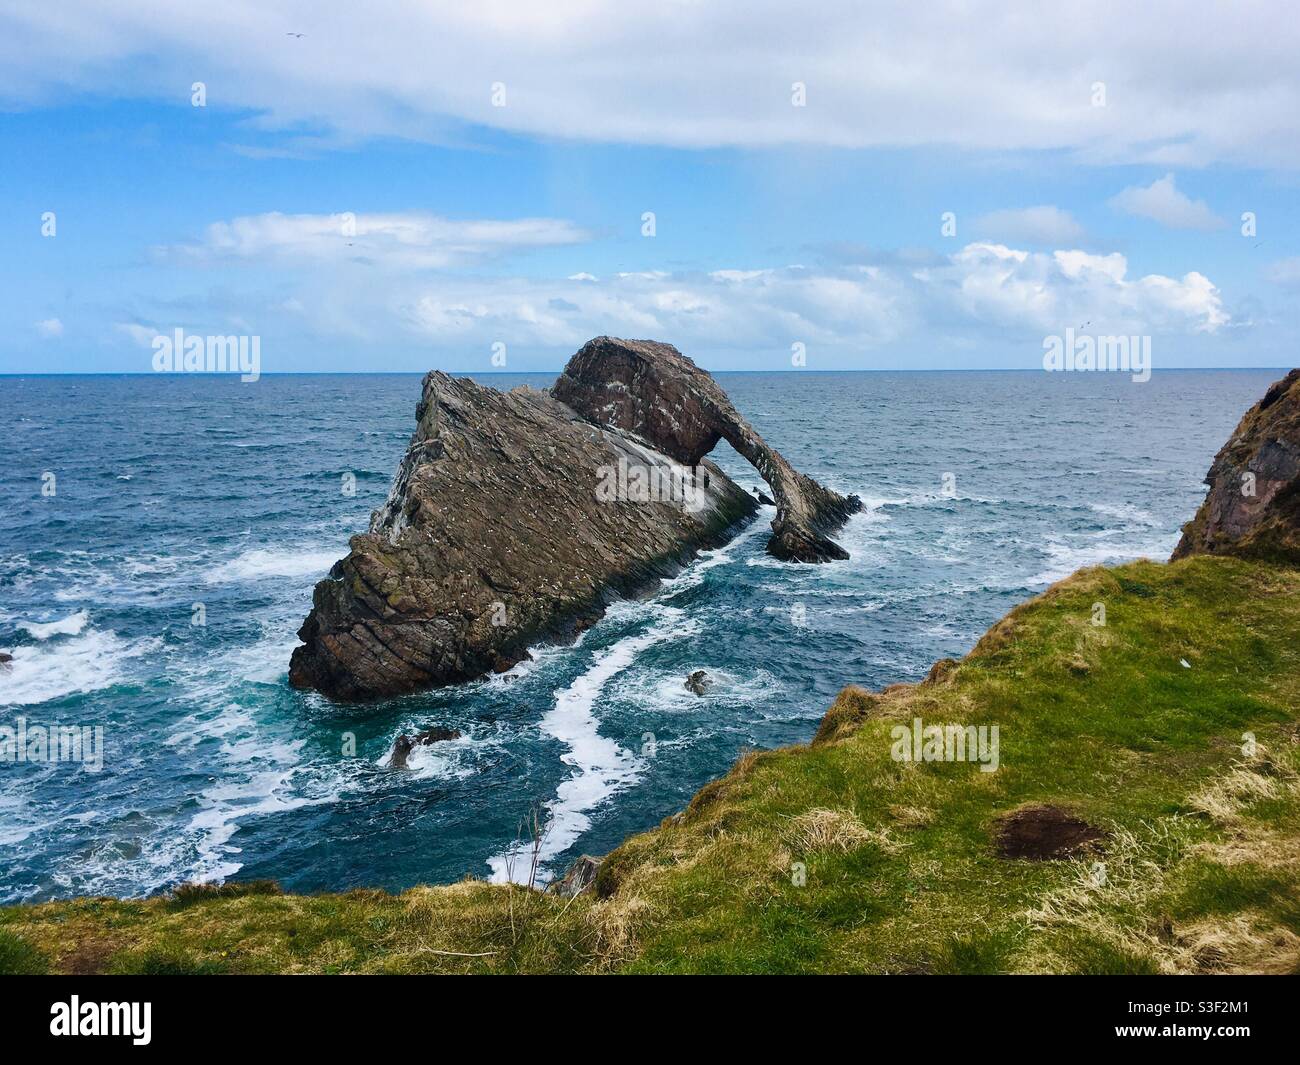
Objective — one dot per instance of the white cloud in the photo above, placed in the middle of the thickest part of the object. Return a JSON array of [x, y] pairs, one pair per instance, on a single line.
[[756, 309], [985, 293], [141, 335], [1030, 225], [1223, 85], [1017, 291], [412, 240], [1162, 202], [50, 328]]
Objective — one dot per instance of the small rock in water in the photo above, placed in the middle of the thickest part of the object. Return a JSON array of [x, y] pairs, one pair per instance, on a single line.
[[699, 682], [5, 659], [404, 744], [437, 735], [401, 751]]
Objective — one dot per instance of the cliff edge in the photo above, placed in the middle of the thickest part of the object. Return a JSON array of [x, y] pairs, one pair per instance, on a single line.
[[1253, 506]]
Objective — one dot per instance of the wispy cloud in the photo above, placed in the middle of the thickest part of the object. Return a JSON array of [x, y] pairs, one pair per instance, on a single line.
[[405, 241], [139, 334], [1030, 225], [1285, 272]]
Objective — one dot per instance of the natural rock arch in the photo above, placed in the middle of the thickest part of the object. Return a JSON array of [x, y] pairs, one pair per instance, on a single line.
[[495, 535], [655, 392]]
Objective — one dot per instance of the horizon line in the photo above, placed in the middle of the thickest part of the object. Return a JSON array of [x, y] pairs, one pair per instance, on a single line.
[[520, 373]]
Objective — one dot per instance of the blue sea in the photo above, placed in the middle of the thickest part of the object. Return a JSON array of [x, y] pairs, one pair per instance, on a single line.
[[178, 500]]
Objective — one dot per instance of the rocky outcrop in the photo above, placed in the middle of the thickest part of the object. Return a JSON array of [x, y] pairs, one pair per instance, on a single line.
[[404, 744], [1253, 506], [699, 682], [654, 391], [580, 876], [516, 518]]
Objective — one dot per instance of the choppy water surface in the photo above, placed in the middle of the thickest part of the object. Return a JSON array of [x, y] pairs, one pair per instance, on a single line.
[[173, 493]]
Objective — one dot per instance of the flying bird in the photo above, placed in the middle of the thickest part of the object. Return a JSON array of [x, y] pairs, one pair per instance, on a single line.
[[295, 35]]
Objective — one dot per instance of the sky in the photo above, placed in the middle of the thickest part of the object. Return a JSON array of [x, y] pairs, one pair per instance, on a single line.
[[401, 186]]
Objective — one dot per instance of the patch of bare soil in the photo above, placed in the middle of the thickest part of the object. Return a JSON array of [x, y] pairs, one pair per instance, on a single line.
[[1040, 833]]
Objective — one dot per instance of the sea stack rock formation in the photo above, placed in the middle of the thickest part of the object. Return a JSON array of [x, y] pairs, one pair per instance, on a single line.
[[1253, 506], [517, 517]]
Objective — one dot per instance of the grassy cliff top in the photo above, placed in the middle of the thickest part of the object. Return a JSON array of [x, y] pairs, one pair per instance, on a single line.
[[1170, 733]]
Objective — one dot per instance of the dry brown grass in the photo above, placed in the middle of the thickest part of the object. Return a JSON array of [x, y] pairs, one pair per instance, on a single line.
[[1248, 782], [1243, 943], [911, 816], [1120, 907], [835, 830]]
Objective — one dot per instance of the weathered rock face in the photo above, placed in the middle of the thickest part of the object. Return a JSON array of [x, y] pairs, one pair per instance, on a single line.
[[580, 876], [1253, 506], [514, 518], [654, 391]]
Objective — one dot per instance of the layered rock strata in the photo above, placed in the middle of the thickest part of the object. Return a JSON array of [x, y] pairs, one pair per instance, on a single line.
[[517, 517]]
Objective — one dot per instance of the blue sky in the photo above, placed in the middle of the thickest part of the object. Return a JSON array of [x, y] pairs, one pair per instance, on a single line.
[[355, 199]]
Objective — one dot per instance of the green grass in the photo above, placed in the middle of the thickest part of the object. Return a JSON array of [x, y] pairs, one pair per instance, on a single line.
[[18, 957], [834, 857]]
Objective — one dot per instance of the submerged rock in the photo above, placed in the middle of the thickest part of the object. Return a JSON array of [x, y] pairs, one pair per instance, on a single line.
[[437, 735], [699, 682], [404, 744], [518, 516], [1253, 506], [5, 658]]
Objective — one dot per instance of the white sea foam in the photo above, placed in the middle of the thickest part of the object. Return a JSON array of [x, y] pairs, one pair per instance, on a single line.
[[260, 563], [69, 626], [89, 661], [542, 656], [693, 575], [267, 660], [13, 812], [666, 691], [1125, 512], [84, 577], [257, 767], [444, 760], [225, 805], [600, 766], [1064, 559], [925, 498], [256, 775]]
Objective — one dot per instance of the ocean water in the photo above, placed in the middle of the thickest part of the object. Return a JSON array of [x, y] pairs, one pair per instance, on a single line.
[[179, 499]]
